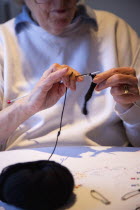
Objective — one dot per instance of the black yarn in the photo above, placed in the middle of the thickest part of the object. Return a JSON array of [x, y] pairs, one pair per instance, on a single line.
[[38, 185], [88, 95], [60, 126]]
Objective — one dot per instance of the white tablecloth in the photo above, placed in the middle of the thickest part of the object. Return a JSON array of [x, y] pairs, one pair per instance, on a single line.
[[111, 171]]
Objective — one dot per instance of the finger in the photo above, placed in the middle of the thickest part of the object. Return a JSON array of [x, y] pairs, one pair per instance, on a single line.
[[72, 85], [126, 99], [53, 68], [116, 80], [105, 75], [48, 80], [73, 74], [71, 79], [119, 90], [56, 92], [68, 82], [62, 89]]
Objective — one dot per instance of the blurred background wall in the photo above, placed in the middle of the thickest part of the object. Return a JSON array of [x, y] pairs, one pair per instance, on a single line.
[[127, 9]]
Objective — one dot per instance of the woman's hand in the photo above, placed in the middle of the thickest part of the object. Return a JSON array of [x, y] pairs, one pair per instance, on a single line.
[[45, 94], [70, 78], [123, 83], [51, 87]]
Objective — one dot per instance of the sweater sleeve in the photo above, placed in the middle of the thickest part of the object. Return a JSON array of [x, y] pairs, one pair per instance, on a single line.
[[128, 45], [131, 122], [1, 77]]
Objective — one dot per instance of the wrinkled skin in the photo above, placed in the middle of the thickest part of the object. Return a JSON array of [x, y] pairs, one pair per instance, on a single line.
[[116, 78]]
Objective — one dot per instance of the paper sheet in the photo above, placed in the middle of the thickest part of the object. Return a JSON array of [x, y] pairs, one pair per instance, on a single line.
[[112, 172]]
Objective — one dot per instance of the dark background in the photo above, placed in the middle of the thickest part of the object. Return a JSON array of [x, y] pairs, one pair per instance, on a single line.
[[127, 9]]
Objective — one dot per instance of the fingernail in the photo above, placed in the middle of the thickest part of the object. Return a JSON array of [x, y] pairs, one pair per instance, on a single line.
[[95, 79], [98, 88], [73, 88], [66, 68], [80, 79]]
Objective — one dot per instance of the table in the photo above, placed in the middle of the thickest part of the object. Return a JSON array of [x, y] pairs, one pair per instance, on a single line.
[[111, 171]]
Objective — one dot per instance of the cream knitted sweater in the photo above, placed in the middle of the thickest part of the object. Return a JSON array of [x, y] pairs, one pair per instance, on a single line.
[[26, 54]]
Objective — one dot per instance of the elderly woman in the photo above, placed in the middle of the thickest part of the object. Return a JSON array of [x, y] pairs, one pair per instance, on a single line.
[[52, 38]]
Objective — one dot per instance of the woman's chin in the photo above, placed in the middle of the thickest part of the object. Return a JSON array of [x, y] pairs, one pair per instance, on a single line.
[[56, 28]]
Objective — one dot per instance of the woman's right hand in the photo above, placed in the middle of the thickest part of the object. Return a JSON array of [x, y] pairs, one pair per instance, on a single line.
[[51, 87]]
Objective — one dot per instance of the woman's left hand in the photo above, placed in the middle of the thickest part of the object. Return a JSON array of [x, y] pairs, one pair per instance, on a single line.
[[123, 83]]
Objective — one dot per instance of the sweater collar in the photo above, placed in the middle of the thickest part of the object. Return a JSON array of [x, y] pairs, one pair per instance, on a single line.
[[84, 13]]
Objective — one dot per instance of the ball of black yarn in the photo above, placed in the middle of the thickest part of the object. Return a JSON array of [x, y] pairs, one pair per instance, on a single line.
[[38, 185]]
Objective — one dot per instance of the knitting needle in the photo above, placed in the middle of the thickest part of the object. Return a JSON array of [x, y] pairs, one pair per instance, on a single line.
[[88, 74], [15, 99]]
